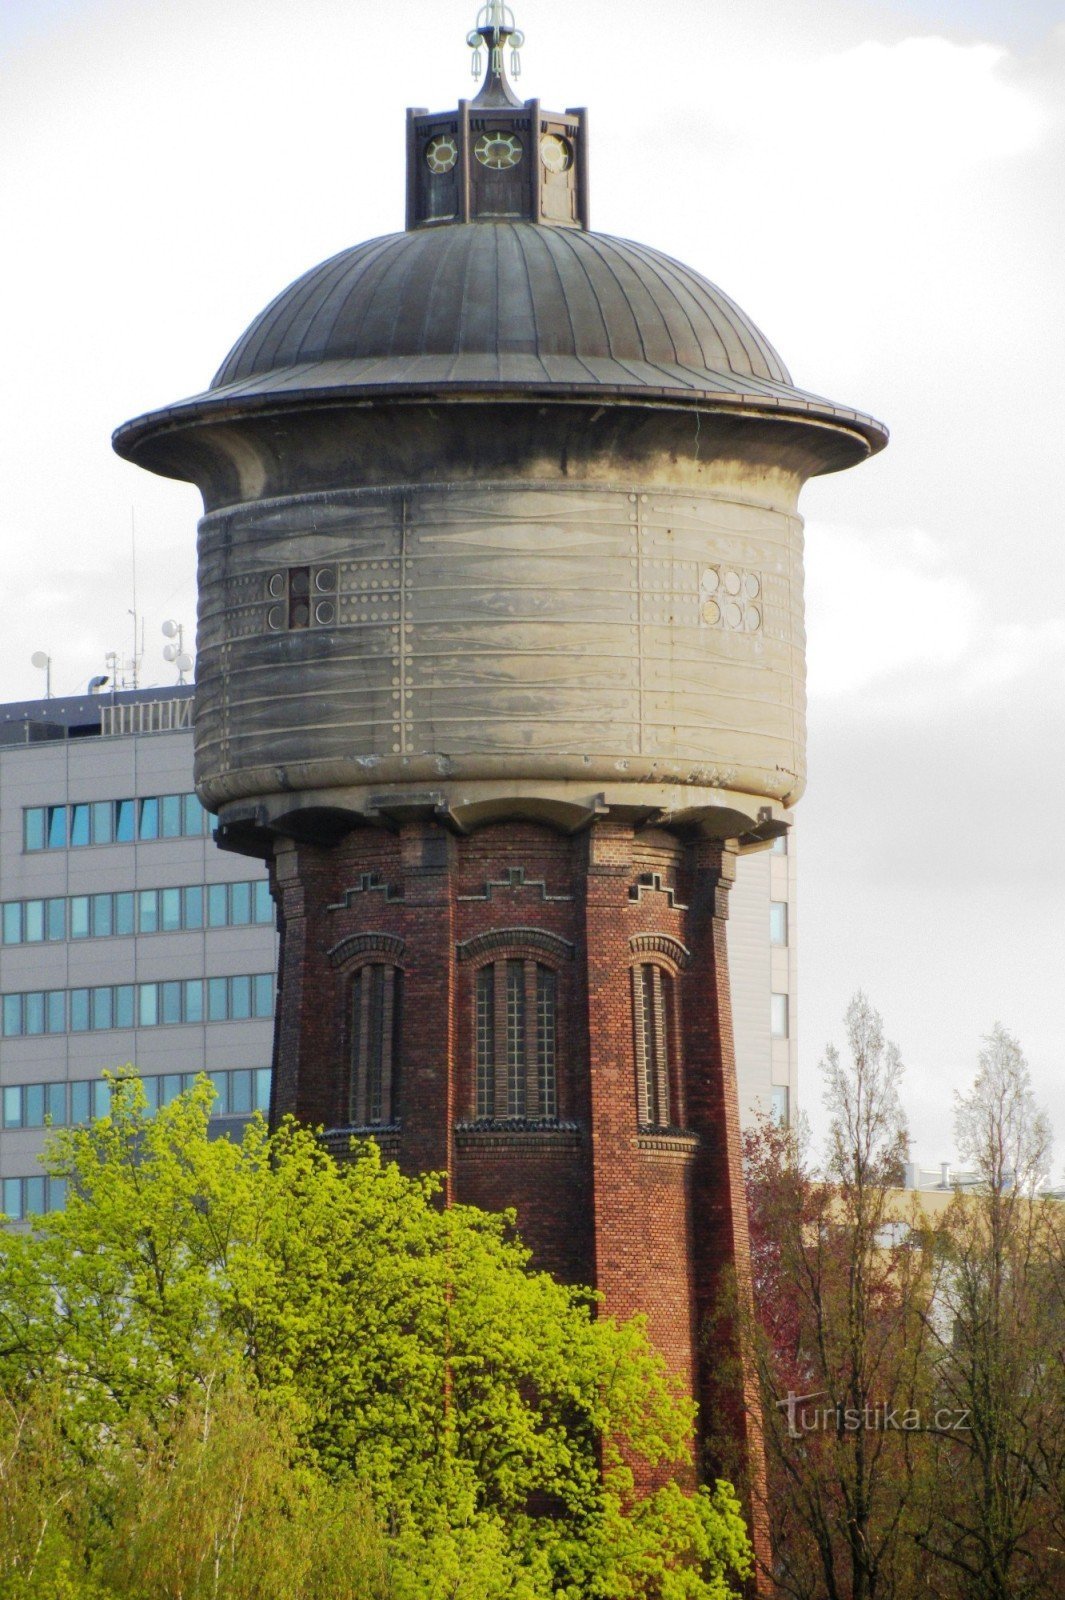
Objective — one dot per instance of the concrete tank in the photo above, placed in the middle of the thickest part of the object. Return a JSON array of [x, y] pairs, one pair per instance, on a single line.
[[502, 515]]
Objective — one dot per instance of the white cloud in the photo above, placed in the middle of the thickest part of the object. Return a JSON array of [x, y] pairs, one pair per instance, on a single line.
[[878, 605]]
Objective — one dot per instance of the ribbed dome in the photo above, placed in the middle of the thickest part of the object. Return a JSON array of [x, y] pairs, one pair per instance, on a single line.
[[502, 308], [492, 290]]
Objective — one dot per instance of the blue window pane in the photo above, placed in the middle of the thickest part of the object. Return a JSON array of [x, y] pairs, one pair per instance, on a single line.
[[264, 994], [220, 1084], [79, 916], [151, 1093], [194, 1000], [12, 1015], [79, 1010], [13, 1106], [170, 911], [264, 906], [170, 1002], [125, 816], [102, 1009], [57, 1104], [102, 916], [149, 819], [217, 905], [240, 998], [148, 911], [33, 1105], [56, 918], [33, 1196], [262, 1089], [103, 821], [170, 810], [56, 1011], [33, 828], [33, 926], [217, 999], [101, 1098], [194, 907], [79, 825], [147, 1005], [13, 1198], [33, 1013], [240, 903], [124, 1005], [57, 1194], [240, 1093], [124, 914], [170, 1087], [195, 818], [80, 1101], [12, 921], [57, 827]]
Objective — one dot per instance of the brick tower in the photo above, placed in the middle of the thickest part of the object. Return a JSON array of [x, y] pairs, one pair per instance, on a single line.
[[501, 661]]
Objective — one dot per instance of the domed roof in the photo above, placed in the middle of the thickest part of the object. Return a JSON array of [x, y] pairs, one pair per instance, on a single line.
[[498, 307]]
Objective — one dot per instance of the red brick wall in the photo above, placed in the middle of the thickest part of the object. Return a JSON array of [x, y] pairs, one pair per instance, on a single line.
[[652, 1218]]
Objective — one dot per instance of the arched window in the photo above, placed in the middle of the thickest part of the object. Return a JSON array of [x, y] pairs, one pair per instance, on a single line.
[[654, 1018], [516, 1040], [374, 1081]]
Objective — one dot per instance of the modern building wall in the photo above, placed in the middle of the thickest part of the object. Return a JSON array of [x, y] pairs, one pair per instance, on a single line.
[[86, 1000], [763, 966]]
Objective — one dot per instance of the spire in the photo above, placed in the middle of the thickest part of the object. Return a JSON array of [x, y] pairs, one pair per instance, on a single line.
[[495, 30]]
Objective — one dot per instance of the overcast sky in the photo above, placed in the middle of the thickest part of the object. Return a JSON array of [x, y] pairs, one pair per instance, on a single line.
[[879, 183]]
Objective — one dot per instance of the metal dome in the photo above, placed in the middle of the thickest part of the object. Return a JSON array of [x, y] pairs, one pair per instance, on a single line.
[[504, 307]]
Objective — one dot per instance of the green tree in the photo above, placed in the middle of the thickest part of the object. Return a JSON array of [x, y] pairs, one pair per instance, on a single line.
[[385, 1346], [995, 1526]]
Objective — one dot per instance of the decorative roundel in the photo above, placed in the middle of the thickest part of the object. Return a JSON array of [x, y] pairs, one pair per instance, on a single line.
[[499, 151], [556, 153], [325, 612], [275, 618], [711, 613], [325, 580], [441, 153], [276, 586]]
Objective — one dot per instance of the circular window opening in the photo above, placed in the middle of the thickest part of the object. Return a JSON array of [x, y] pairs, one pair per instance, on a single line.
[[300, 614], [325, 612], [556, 153], [441, 154], [498, 151], [325, 581], [276, 586]]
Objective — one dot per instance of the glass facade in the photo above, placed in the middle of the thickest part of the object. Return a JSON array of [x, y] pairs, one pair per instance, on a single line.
[[137, 1005], [240, 1091], [87, 822], [141, 911]]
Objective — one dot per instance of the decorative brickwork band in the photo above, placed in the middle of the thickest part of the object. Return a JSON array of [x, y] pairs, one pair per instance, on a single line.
[[359, 944], [516, 939], [662, 944]]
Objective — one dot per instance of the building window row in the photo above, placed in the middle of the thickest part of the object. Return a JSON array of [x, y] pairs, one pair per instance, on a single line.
[[778, 922], [137, 1005], [240, 1091], [26, 1197], [126, 912], [69, 827], [779, 1018]]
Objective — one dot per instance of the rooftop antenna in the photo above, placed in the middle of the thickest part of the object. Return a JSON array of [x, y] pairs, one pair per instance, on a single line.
[[176, 652], [43, 662], [495, 29]]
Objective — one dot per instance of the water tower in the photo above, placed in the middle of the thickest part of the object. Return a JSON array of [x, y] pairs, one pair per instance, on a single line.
[[500, 663]]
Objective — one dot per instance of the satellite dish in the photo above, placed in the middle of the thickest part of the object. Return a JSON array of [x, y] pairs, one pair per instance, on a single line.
[[184, 663], [170, 652], [39, 659], [171, 629]]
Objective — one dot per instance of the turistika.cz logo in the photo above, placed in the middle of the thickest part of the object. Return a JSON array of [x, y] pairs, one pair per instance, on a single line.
[[804, 1416]]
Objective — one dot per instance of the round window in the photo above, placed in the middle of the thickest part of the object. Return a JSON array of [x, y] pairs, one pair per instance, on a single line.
[[441, 153], [498, 151], [556, 153]]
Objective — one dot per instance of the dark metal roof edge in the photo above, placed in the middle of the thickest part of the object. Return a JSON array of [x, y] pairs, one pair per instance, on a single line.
[[213, 407]]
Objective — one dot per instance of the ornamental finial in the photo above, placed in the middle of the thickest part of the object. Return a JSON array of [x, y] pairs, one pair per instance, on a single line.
[[495, 30]]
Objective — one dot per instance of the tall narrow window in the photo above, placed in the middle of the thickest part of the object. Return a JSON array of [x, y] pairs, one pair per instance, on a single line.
[[652, 997], [516, 1040], [375, 1023]]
